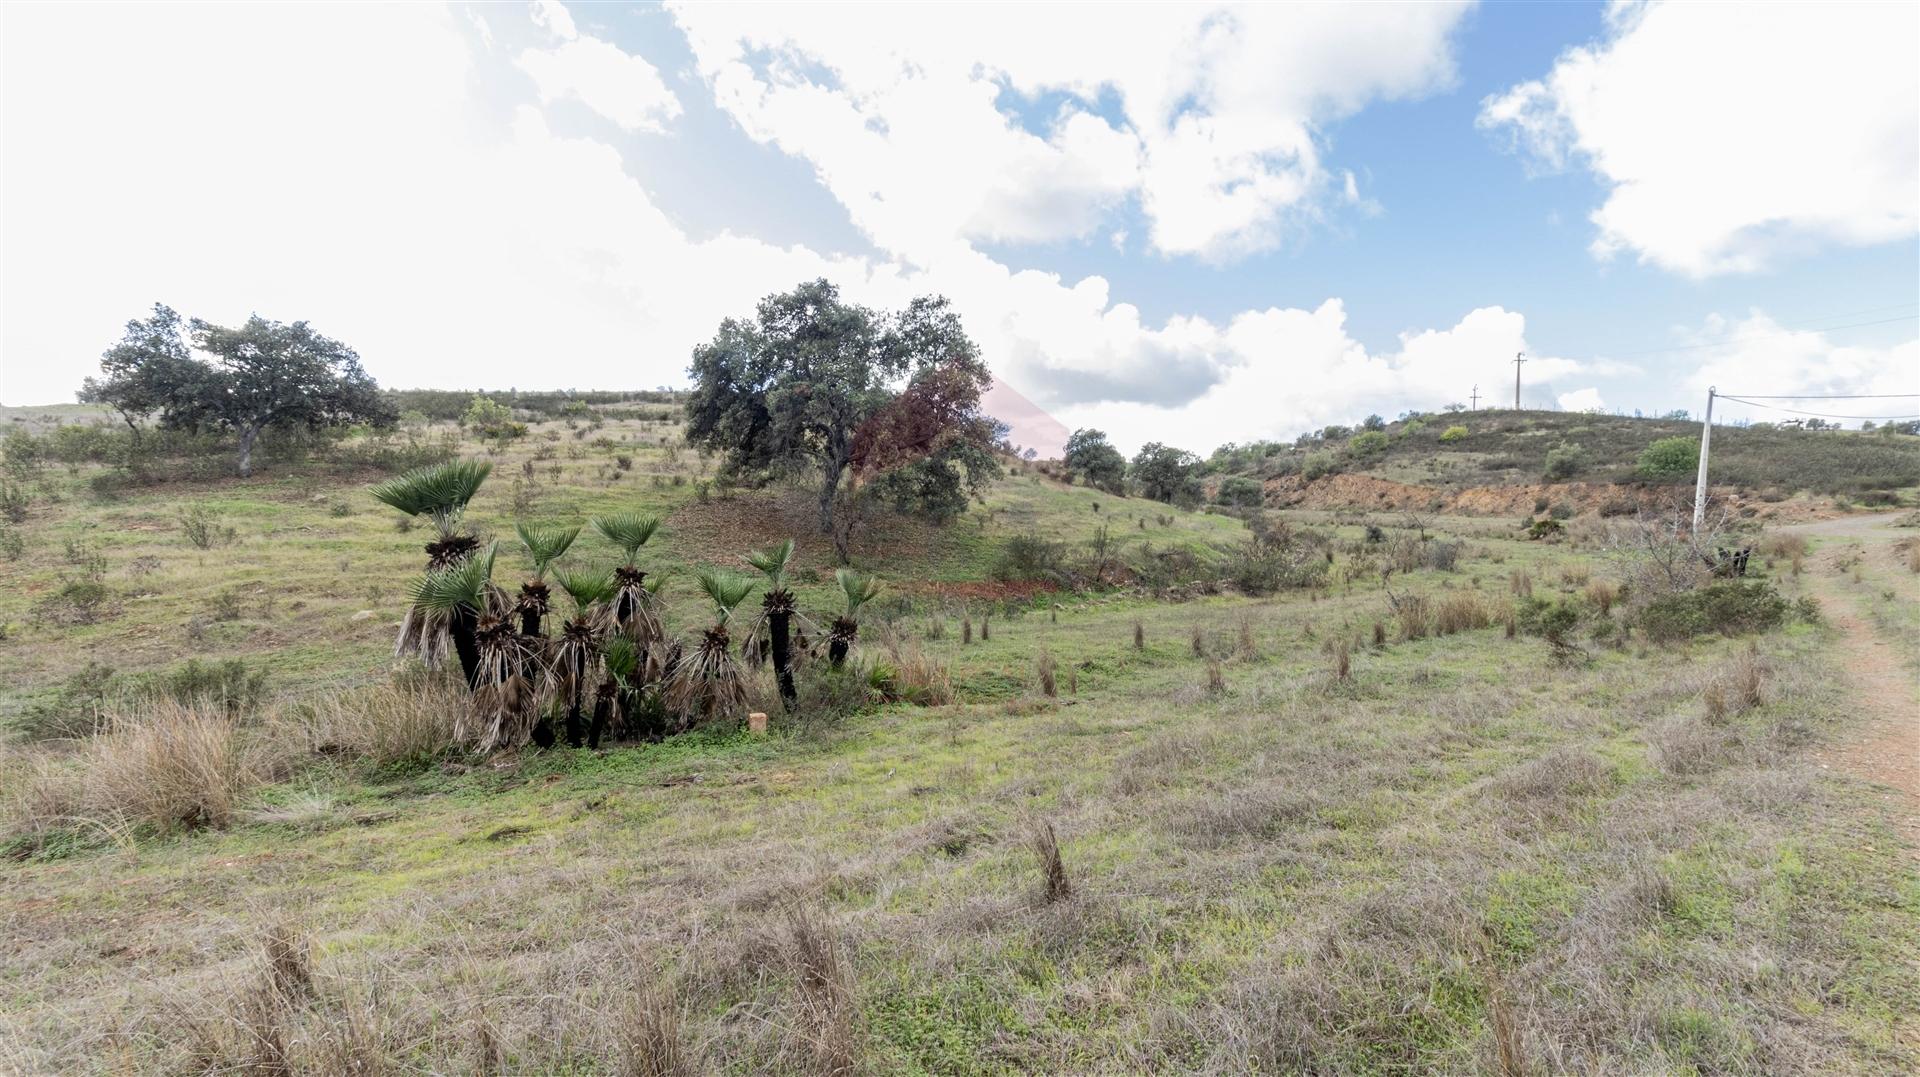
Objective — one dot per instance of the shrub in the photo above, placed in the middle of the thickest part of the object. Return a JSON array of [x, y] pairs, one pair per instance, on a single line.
[[14, 501], [204, 527], [1547, 528], [74, 710], [1319, 465], [229, 685], [1453, 433], [1730, 607], [1030, 557], [1240, 491], [1443, 555], [1669, 458], [1261, 568], [1564, 461], [1368, 443]]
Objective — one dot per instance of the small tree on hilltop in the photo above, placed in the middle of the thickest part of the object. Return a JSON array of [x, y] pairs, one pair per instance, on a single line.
[[794, 388], [1093, 461], [263, 374], [1669, 458], [1167, 474]]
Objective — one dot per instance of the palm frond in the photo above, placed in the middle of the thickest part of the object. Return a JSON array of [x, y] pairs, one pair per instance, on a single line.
[[545, 543], [773, 561], [860, 589], [627, 530], [726, 589], [621, 657], [440, 491], [585, 587], [464, 584]]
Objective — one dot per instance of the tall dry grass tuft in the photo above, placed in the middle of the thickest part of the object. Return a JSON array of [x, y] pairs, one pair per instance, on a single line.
[[825, 985], [986, 627], [385, 723], [1379, 634], [1216, 679], [1460, 612], [1244, 647], [1342, 655], [289, 961], [167, 765], [1139, 635], [1521, 583], [966, 629], [650, 1038], [1414, 615], [1054, 884], [1045, 667], [1601, 595], [1199, 643], [1913, 558]]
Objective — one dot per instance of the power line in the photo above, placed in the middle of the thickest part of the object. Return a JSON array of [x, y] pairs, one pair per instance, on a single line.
[[1763, 336], [1831, 396], [1816, 414]]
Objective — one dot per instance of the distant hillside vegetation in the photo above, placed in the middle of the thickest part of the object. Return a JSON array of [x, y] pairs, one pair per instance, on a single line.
[[1501, 448]]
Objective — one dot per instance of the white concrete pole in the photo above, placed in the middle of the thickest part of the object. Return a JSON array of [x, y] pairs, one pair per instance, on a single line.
[[1700, 484]]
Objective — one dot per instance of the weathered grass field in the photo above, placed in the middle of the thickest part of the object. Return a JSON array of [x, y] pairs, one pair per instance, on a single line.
[[1464, 855]]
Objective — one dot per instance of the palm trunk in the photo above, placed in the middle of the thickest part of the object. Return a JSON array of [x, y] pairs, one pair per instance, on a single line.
[[780, 625], [602, 708], [460, 625], [573, 703]]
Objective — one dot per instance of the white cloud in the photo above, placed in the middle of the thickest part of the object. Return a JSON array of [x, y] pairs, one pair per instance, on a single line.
[[451, 249], [1754, 355], [625, 89], [899, 110], [1285, 370], [1731, 135], [1582, 400]]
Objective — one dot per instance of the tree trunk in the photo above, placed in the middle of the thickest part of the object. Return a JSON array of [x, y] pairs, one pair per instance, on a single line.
[[780, 625], [247, 435], [460, 625], [829, 485], [602, 707]]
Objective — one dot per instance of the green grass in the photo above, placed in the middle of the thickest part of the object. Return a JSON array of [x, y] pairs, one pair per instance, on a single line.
[[1297, 874]]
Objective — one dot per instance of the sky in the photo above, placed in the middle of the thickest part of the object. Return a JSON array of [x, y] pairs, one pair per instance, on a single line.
[[1188, 223]]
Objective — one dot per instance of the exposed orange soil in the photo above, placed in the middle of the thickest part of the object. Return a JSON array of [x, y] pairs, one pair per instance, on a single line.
[[1367, 492]]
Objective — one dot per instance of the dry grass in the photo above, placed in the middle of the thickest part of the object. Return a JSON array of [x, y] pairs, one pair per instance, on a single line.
[[413, 719], [825, 988], [1415, 615], [167, 766], [1199, 643], [1520, 582], [1054, 884], [1139, 635], [1601, 595], [651, 1038], [1044, 667], [1460, 611], [1216, 679], [1244, 647]]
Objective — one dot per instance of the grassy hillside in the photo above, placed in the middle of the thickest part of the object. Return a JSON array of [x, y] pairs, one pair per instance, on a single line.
[[1391, 818], [1510, 447]]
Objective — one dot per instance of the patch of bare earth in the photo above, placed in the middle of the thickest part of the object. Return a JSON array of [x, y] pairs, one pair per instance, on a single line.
[[1885, 746]]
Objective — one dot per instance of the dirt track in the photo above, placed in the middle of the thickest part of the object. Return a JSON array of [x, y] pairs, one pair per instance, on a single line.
[[1884, 747]]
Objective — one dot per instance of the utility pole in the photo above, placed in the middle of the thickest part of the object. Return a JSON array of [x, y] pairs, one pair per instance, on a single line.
[[1700, 484], [1518, 358], [1475, 397]]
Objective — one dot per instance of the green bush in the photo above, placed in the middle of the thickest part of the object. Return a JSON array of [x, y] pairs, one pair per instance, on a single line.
[[1564, 461], [1030, 557], [1453, 433], [1319, 465], [1669, 458], [1730, 607], [1368, 443], [1240, 492]]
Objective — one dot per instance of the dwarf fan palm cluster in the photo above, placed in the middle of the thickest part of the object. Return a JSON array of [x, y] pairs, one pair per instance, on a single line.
[[609, 665]]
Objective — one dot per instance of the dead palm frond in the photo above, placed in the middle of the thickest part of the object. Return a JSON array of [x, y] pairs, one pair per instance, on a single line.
[[447, 604], [706, 681], [506, 702]]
